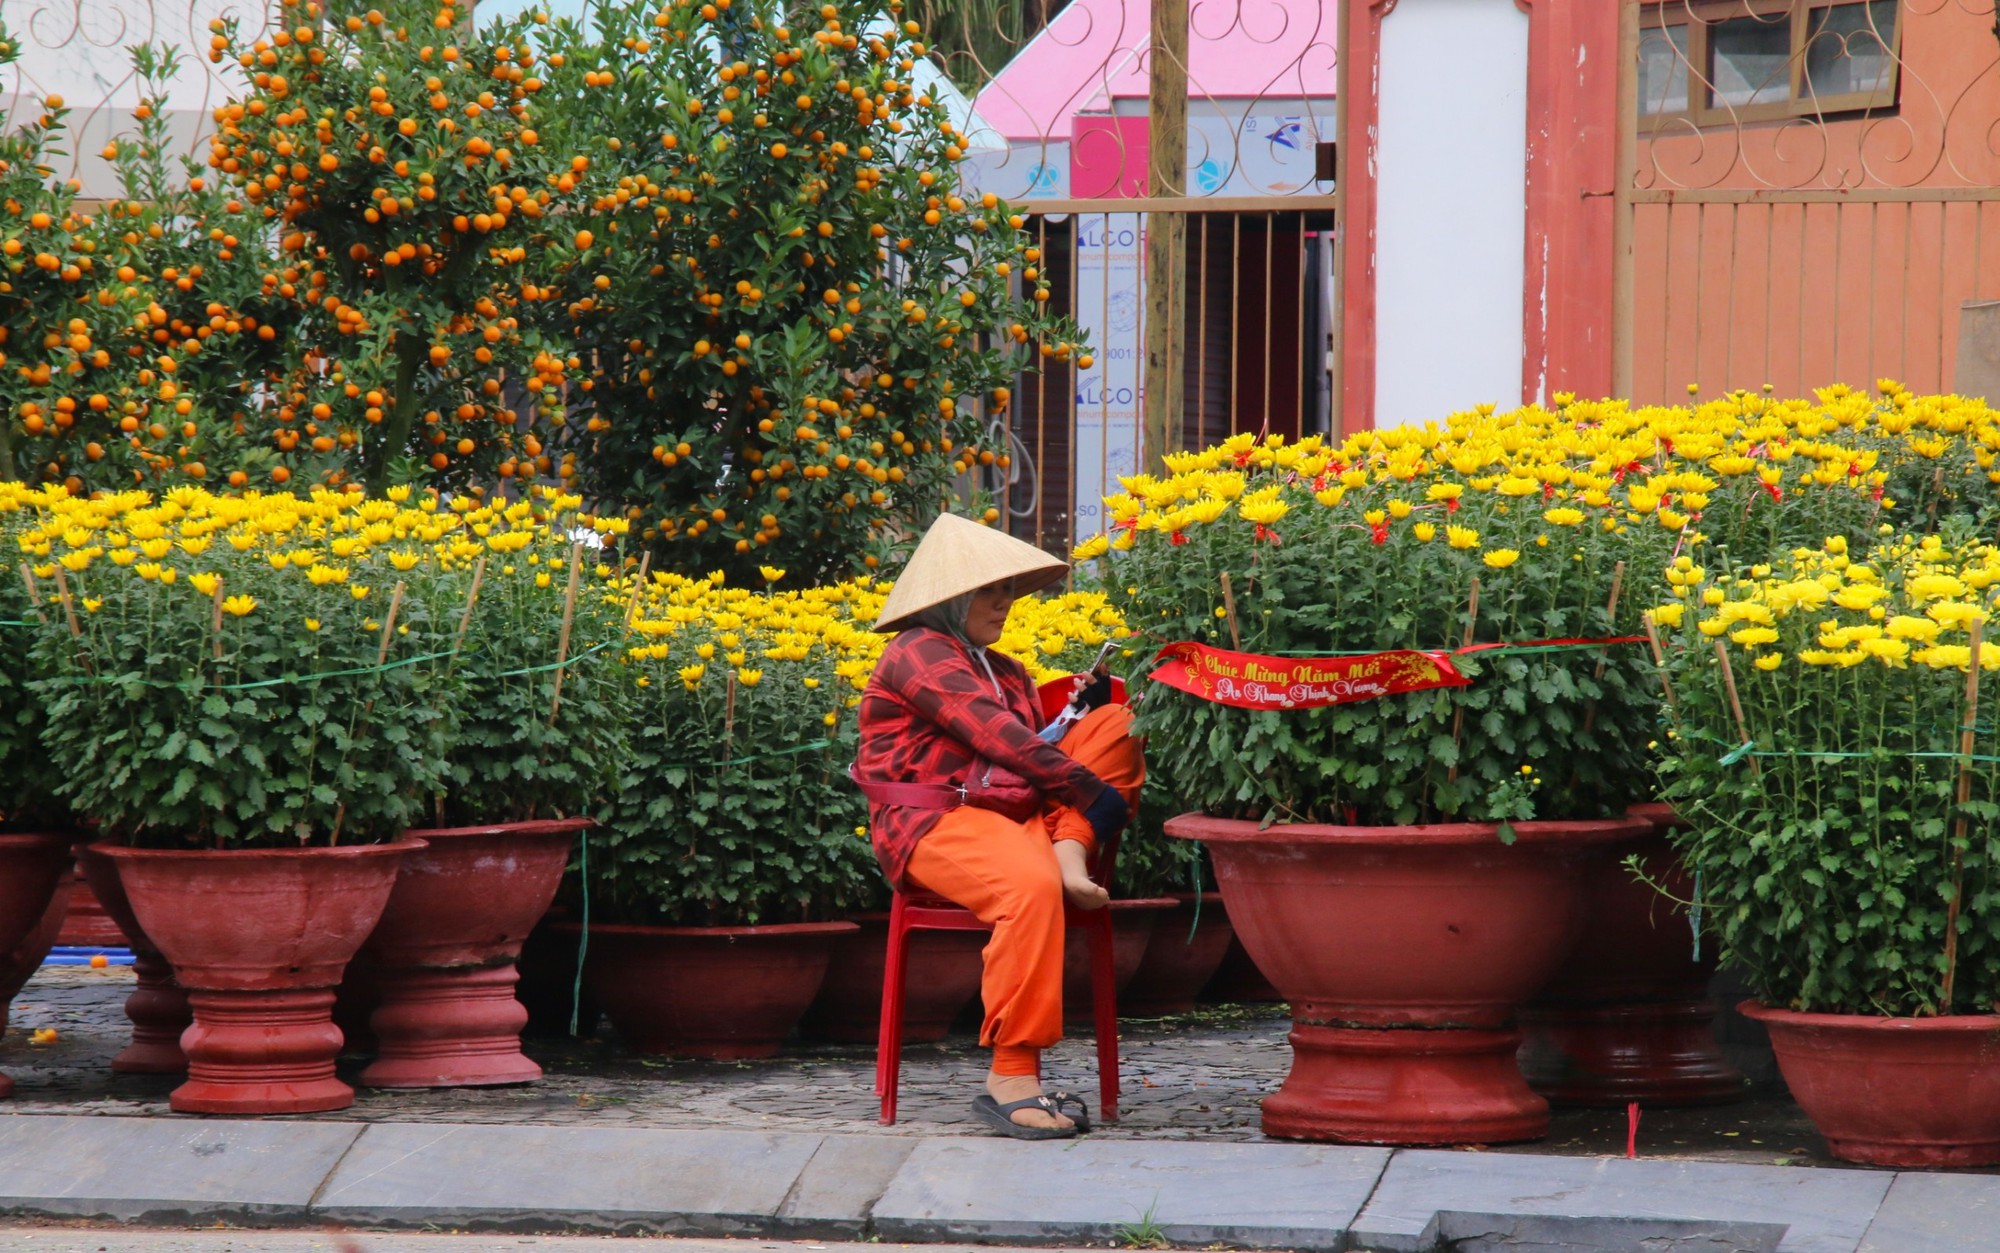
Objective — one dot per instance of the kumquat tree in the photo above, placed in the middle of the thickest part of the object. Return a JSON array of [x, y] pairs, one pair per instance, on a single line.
[[798, 318], [396, 159], [215, 325], [66, 317]]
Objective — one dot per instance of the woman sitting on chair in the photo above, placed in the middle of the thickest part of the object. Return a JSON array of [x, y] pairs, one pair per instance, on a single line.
[[970, 803]]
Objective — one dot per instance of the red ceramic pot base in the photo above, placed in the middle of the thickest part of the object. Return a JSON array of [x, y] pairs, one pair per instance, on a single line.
[[1607, 1055], [940, 979], [264, 1052], [6, 1087], [721, 993], [449, 1029], [159, 1011], [1916, 1093], [1188, 945], [1361, 1085], [1132, 924]]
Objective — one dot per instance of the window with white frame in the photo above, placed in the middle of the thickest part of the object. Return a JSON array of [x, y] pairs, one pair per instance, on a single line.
[[1728, 61]]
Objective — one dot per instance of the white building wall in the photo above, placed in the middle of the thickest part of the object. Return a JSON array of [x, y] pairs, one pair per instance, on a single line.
[[79, 50], [1451, 212]]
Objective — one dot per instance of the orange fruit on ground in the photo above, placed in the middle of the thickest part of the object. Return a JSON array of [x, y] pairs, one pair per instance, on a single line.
[[99, 961]]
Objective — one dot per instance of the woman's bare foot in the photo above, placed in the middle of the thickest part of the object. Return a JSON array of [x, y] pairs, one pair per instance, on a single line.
[[1008, 1088], [1077, 886]]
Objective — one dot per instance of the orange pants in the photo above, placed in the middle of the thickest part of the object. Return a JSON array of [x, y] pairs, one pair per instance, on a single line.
[[1005, 873]]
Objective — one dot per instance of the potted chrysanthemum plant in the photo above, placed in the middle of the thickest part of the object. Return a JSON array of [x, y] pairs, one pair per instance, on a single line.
[[538, 743], [252, 699], [1832, 756], [730, 856], [35, 835], [1398, 683]]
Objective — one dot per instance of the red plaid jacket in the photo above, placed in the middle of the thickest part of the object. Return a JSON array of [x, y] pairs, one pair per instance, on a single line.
[[929, 713]]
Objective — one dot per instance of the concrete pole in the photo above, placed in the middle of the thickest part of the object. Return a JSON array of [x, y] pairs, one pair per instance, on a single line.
[[1166, 232]]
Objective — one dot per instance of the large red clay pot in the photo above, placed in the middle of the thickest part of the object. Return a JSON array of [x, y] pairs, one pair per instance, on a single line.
[[1188, 945], [1907, 1092], [1132, 925], [443, 954], [1628, 1017], [942, 978], [715, 992], [30, 867], [158, 1006], [1404, 952], [19, 965], [259, 938], [1238, 981], [89, 924]]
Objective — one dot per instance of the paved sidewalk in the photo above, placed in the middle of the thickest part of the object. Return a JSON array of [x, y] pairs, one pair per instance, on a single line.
[[633, 1181], [71, 1238], [1192, 1079], [1196, 1078], [788, 1148]]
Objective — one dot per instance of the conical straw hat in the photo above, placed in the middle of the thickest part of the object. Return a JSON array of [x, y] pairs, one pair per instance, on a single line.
[[958, 555]]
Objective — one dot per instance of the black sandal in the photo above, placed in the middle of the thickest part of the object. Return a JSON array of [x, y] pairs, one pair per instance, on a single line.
[[1001, 1117]]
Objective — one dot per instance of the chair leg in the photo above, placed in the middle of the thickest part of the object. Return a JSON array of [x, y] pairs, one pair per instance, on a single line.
[[889, 1045], [884, 1007], [1104, 996]]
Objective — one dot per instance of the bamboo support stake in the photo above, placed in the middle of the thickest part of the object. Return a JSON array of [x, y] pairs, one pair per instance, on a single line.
[[562, 640], [1604, 659], [1735, 703], [1660, 660], [381, 660], [68, 606], [471, 599], [34, 593], [729, 714], [75, 628], [215, 619], [1458, 718], [1958, 826], [1229, 612], [389, 626], [638, 590]]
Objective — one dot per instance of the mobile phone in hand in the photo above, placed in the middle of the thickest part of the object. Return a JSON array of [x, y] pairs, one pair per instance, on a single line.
[[1093, 686]]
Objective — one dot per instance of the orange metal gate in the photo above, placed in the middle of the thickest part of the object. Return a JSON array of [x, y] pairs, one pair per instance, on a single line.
[[1811, 189]]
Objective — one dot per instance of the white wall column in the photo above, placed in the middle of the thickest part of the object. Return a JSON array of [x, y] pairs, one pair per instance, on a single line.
[[1452, 208]]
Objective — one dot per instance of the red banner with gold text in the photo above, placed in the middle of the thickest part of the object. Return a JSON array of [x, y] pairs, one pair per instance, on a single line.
[[1252, 681]]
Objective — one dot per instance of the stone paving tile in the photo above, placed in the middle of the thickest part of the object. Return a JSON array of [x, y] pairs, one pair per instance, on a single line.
[[1199, 1077]]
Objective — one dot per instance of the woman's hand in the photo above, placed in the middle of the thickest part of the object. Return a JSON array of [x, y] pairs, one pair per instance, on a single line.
[[1093, 690]]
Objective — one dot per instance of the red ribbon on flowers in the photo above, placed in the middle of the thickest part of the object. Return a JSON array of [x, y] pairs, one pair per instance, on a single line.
[[1252, 681], [1256, 681]]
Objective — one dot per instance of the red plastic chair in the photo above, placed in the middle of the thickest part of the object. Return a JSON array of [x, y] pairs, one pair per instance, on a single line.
[[925, 913]]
